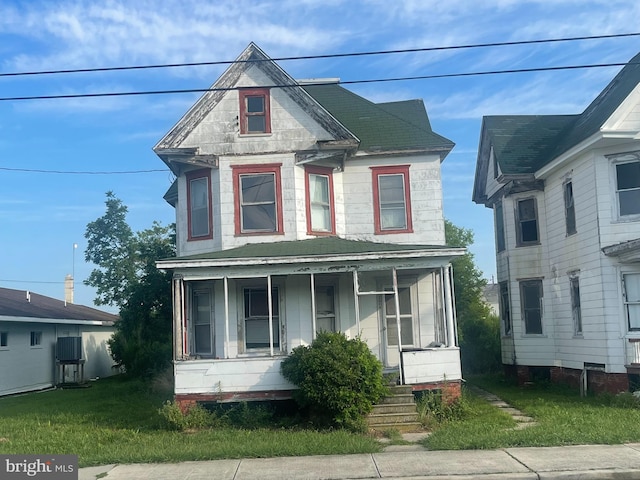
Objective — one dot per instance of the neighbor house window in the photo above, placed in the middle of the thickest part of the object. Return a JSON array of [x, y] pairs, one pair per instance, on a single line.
[[406, 317], [199, 202], [391, 200], [569, 208], [628, 188], [201, 311], [36, 339], [505, 309], [500, 238], [320, 209], [256, 318], [325, 308], [531, 303], [631, 282], [576, 312], [258, 199], [4, 339], [527, 222], [254, 111]]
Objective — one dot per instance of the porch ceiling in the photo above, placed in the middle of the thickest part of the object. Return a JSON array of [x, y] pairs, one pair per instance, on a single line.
[[320, 254]]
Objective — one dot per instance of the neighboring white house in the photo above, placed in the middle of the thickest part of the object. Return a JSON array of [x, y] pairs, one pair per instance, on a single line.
[[565, 191], [31, 326], [328, 201]]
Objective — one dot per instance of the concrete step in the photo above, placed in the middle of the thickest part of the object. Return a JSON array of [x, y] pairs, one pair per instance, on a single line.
[[391, 418], [401, 389], [409, 408], [400, 427], [395, 399]]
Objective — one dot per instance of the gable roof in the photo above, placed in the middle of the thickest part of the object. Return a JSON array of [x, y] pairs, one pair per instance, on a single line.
[[26, 304], [381, 127], [362, 124], [523, 144]]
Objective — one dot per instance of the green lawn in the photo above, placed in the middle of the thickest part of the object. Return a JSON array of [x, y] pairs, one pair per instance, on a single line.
[[562, 417], [117, 421]]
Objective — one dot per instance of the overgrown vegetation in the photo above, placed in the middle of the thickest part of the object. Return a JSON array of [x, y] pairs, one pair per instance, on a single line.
[[433, 411], [126, 277], [117, 421], [478, 328], [338, 380]]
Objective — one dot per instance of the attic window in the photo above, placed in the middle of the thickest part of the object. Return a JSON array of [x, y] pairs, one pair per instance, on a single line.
[[255, 116]]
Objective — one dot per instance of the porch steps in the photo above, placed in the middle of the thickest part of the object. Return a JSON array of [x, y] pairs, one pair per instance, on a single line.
[[396, 411]]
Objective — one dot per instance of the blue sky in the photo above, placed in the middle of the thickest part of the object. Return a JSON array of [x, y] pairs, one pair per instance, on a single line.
[[42, 215]]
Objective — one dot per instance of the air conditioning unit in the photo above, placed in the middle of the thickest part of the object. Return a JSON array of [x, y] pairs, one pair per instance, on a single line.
[[69, 349]]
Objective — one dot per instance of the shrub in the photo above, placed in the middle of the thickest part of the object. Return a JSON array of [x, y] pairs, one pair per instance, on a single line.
[[196, 417], [338, 379]]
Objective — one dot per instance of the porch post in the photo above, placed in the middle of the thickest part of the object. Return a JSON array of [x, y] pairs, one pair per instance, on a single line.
[[451, 339], [226, 317], [396, 299], [179, 334], [313, 305], [270, 304], [356, 300]]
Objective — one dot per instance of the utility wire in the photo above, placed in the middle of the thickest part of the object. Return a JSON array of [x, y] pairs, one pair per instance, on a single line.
[[315, 57], [63, 172], [346, 82]]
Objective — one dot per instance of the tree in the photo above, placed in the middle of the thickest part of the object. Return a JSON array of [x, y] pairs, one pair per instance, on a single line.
[[128, 278], [478, 328]]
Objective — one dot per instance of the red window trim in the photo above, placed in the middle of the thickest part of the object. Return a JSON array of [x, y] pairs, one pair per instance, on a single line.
[[204, 173], [254, 92], [257, 169], [326, 171], [391, 170]]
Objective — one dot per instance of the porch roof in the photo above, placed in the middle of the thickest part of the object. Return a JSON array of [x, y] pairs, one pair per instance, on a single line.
[[315, 250]]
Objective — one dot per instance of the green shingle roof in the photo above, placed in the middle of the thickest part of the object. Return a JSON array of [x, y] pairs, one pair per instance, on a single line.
[[311, 247], [387, 126], [526, 143]]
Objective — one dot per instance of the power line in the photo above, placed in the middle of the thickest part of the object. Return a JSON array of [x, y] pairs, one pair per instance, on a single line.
[[317, 57], [346, 82], [63, 172]]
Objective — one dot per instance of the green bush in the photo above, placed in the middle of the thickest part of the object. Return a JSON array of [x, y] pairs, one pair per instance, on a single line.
[[433, 411], [338, 379], [196, 417]]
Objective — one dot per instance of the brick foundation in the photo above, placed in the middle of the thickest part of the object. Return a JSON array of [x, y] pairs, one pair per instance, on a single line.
[[451, 391], [597, 381]]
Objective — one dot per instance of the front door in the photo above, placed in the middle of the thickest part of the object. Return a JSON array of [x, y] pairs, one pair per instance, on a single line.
[[202, 331], [390, 324]]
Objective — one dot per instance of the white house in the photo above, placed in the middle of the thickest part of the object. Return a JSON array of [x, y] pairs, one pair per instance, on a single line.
[[31, 328], [300, 207], [565, 191]]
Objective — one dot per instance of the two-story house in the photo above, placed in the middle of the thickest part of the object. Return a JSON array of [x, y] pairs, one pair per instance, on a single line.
[[565, 192], [301, 207]]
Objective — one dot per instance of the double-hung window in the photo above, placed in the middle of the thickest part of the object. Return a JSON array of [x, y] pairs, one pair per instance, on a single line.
[[4, 339], [527, 222], [201, 311], [256, 318], [36, 339], [569, 208], [499, 219], [325, 308], [576, 311], [531, 303], [254, 111], [406, 317], [628, 188], [258, 199], [391, 199], [199, 204], [320, 209], [631, 283], [505, 308]]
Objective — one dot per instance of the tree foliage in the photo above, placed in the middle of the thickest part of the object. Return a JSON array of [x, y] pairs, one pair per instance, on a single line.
[[126, 276], [338, 379], [478, 328]]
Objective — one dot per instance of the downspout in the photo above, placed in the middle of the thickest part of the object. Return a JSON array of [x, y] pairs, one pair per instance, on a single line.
[[226, 317], [449, 314], [397, 303]]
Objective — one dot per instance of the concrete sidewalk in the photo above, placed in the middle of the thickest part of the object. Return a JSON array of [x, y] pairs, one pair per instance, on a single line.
[[572, 462]]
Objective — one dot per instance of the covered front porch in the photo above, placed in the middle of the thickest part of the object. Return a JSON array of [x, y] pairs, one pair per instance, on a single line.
[[230, 335]]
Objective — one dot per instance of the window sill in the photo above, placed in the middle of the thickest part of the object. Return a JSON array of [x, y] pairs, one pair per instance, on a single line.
[[534, 335], [532, 244], [259, 134], [256, 234], [36, 347], [626, 219], [261, 354], [4, 349], [391, 232]]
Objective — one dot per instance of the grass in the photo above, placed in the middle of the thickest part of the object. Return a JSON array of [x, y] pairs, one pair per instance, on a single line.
[[117, 421], [562, 418]]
